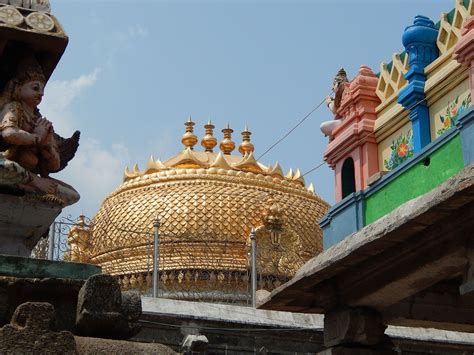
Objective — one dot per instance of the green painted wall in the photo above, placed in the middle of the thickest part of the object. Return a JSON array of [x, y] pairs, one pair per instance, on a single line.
[[419, 179]]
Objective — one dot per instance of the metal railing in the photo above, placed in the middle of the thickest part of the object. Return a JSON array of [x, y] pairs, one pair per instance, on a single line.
[[188, 267]]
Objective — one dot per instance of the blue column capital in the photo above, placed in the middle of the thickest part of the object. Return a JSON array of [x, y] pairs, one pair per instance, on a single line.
[[419, 41]]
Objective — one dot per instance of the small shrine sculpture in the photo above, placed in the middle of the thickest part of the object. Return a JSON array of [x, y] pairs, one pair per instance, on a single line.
[[334, 103], [30, 151], [26, 137], [32, 42]]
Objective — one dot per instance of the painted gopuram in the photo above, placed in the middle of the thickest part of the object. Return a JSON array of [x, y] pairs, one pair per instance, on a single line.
[[399, 242], [403, 131], [207, 203]]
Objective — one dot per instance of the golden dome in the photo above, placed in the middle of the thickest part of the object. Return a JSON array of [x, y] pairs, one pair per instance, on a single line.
[[207, 204]]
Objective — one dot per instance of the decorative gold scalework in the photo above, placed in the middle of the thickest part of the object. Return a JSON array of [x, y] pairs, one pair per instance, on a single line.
[[207, 204]]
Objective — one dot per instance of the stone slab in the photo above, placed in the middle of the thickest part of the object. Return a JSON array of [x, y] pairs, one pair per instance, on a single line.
[[198, 312], [17, 266], [87, 345], [230, 314]]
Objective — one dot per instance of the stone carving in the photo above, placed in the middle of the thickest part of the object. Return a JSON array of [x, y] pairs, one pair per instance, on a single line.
[[26, 137], [36, 5], [104, 311], [279, 248], [338, 86], [30, 331]]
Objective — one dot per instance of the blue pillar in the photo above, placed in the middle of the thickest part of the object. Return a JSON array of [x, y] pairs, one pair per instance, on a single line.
[[419, 41]]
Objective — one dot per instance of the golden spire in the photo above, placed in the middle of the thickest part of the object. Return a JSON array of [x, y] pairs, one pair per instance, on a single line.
[[79, 239], [209, 141], [246, 146], [227, 145], [189, 139]]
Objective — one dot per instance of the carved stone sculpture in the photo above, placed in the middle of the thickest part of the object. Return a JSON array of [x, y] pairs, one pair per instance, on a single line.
[[36, 5], [28, 138], [30, 331], [30, 151], [104, 311], [333, 103]]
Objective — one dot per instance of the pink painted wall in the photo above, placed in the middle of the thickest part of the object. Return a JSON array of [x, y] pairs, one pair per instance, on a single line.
[[355, 136]]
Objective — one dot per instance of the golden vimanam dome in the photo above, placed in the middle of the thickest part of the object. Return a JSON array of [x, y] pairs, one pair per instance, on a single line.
[[207, 204]]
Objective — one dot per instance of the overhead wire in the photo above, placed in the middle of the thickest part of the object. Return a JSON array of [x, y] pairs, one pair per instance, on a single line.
[[292, 129]]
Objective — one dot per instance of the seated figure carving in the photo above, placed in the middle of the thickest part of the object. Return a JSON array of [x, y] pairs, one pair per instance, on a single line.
[[26, 137], [333, 103]]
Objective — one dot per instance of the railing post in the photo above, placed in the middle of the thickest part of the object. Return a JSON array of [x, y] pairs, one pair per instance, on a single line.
[[51, 238], [253, 256], [156, 226]]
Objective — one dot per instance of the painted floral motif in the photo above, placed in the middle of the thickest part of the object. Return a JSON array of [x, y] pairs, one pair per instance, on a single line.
[[402, 149], [453, 110]]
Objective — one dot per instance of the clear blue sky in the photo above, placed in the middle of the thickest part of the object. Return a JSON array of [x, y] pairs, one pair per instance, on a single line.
[[135, 70]]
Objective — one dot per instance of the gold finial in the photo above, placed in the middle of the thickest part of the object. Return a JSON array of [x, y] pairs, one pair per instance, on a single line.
[[82, 220], [209, 141], [246, 146], [189, 139], [227, 145]]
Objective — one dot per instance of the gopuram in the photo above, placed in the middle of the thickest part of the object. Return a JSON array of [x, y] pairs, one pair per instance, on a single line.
[[399, 247]]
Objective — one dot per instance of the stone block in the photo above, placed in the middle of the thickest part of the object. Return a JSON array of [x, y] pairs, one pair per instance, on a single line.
[[102, 310], [94, 346], [342, 350], [30, 332], [353, 326], [61, 293], [194, 343]]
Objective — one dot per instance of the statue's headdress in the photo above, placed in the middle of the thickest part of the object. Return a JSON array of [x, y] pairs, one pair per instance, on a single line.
[[341, 76], [29, 70], [340, 79]]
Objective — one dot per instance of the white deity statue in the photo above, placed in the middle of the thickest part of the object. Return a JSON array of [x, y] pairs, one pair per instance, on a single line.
[[333, 103]]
